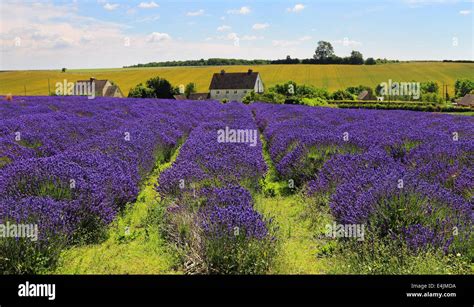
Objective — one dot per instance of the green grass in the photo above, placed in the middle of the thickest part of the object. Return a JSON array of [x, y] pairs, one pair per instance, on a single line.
[[463, 113], [332, 77], [139, 250], [299, 246], [4, 161]]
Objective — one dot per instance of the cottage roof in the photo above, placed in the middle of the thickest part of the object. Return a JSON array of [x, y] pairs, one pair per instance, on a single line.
[[235, 80]]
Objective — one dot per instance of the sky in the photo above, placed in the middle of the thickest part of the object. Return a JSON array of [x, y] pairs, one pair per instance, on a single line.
[[115, 33]]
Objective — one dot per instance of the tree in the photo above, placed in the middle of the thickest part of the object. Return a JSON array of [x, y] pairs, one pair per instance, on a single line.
[[154, 88], [323, 51], [463, 87], [356, 58], [141, 91], [190, 88], [63, 70], [161, 88], [429, 87], [370, 61]]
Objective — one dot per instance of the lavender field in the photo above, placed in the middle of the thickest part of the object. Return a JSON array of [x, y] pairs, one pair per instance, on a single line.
[[403, 180]]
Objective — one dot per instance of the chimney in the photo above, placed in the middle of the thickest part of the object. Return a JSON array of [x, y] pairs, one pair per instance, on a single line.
[[250, 71], [222, 72]]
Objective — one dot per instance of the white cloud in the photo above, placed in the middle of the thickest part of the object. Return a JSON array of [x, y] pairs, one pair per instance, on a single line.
[[156, 37], [348, 43], [223, 28], [148, 5], [305, 38], [251, 38], [465, 12], [260, 26], [110, 7], [232, 36], [195, 13], [296, 9], [244, 10]]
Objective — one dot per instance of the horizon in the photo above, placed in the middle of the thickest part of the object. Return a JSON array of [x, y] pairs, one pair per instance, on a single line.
[[94, 34]]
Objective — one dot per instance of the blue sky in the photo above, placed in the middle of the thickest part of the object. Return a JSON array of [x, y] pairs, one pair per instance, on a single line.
[[113, 33]]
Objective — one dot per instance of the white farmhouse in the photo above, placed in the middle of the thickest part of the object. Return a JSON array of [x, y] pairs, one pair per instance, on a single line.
[[234, 86]]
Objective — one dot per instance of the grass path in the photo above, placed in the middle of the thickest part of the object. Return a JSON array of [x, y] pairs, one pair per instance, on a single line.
[[299, 244], [132, 247]]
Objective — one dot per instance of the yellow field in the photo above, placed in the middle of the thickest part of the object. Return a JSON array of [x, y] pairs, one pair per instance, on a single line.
[[332, 77]]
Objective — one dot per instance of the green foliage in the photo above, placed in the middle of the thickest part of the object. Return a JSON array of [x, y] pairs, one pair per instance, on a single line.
[[315, 102], [269, 96], [370, 61], [190, 88], [4, 161], [342, 95], [162, 88], [429, 87], [154, 88], [23, 256], [239, 255], [375, 256], [463, 87], [140, 91], [356, 58], [324, 51], [431, 97]]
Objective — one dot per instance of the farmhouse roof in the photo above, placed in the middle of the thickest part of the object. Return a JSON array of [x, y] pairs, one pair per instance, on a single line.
[[363, 95], [467, 100], [234, 80], [179, 97], [198, 96], [111, 90]]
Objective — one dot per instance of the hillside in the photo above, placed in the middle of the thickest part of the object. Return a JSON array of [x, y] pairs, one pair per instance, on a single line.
[[332, 77]]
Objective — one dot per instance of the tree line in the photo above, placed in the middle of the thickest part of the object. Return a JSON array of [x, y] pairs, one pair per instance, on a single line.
[[324, 54]]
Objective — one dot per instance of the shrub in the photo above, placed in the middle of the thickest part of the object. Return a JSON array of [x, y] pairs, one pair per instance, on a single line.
[[342, 95], [237, 240], [463, 87]]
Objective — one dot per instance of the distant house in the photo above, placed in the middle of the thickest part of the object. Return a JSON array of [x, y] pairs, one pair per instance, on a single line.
[[103, 88], [467, 101], [234, 86], [198, 96], [365, 95], [192, 96]]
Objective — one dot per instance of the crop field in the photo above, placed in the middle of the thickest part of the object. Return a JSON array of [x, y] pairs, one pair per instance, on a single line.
[[332, 77], [140, 186]]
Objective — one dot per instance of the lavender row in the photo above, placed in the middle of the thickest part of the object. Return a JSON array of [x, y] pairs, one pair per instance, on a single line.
[[207, 189], [408, 176], [89, 182]]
